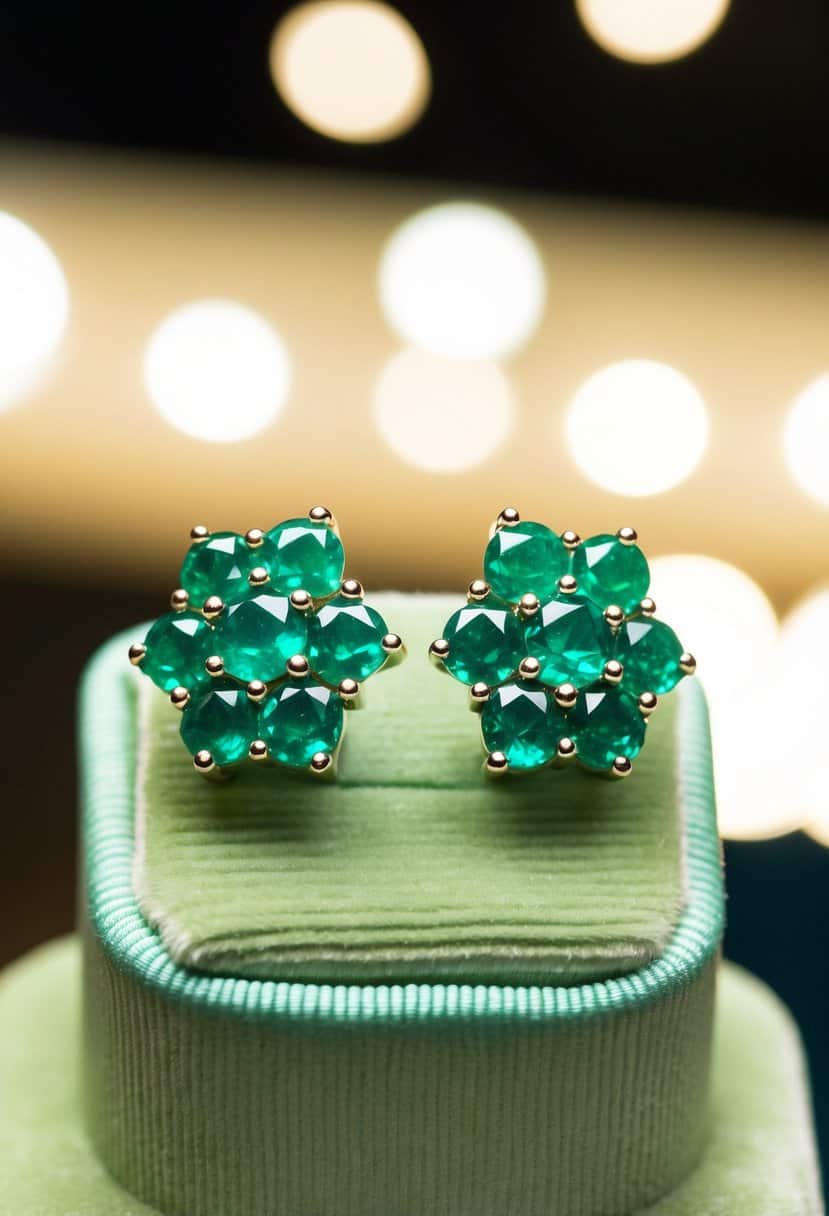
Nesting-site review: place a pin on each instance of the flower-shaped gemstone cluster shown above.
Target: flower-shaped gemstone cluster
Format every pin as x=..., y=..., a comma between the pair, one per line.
x=560, y=648
x=266, y=645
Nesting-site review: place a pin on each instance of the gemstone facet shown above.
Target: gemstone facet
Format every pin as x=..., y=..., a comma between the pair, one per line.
x=605, y=723
x=610, y=572
x=486, y=643
x=525, y=558
x=219, y=566
x=649, y=651
x=304, y=554
x=177, y=645
x=299, y=719
x=255, y=637
x=571, y=640
x=345, y=640
x=522, y=721
x=220, y=720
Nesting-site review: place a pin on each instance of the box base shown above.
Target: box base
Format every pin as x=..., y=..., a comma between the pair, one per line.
x=761, y=1160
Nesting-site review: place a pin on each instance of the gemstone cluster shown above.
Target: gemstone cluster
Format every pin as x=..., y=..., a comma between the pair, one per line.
x=560, y=648
x=266, y=645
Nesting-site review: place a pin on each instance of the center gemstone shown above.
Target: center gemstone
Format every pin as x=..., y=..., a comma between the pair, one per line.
x=523, y=721
x=571, y=640
x=486, y=643
x=299, y=719
x=256, y=637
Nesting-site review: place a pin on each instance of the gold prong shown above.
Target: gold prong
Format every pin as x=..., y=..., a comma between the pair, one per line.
x=203, y=763
x=621, y=767
x=647, y=703
x=647, y=607
x=614, y=616
x=321, y=515
x=566, y=695
x=529, y=604
x=479, y=694
x=566, y=749
x=570, y=540
x=628, y=536
x=349, y=691
x=567, y=584
x=301, y=600
x=179, y=697
x=254, y=537
x=394, y=649
x=613, y=671
x=214, y=666
x=496, y=764
x=439, y=651
x=687, y=663
x=351, y=589
x=258, y=750
x=213, y=607
x=256, y=690
x=198, y=533
x=322, y=764
x=258, y=576
x=179, y=600
x=137, y=652
x=529, y=668
x=298, y=666
x=507, y=518
x=477, y=590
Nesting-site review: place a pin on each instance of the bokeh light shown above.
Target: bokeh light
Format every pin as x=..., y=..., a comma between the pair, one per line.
x=217, y=370
x=442, y=415
x=806, y=439
x=34, y=309
x=353, y=71
x=651, y=31
x=726, y=620
x=637, y=427
x=806, y=726
x=464, y=280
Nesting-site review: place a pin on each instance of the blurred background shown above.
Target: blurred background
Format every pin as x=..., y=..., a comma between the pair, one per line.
x=418, y=263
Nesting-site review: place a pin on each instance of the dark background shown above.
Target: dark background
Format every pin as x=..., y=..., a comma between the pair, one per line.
x=521, y=97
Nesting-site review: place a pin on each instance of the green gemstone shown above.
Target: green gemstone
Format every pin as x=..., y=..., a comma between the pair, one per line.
x=219, y=566
x=255, y=637
x=571, y=640
x=649, y=651
x=523, y=721
x=300, y=718
x=609, y=572
x=605, y=723
x=304, y=554
x=523, y=559
x=345, y=640
x=177, y=645
x=222, y=721
x=486, y=642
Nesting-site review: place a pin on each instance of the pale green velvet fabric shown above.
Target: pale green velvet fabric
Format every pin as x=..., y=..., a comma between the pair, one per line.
x=411, y=866
x=760, y=1159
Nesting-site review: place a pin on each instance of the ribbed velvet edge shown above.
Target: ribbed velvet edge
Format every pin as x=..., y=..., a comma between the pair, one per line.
x=212, y=1096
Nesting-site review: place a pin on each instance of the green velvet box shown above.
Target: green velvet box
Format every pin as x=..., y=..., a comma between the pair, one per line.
x=409, y=992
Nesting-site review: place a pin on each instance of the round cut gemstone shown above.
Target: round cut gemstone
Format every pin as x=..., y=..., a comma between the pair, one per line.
x=345, y=640
x=219, y=566
x=609, y=572
x=255, y=637
x=571, y=640
x=523, y=559
x=222, y=721
x=523, y=721
x=300, y=718
x=486, y=642
x=301, y=553
x=605, y=723
x=177, y=645
x=649, y=651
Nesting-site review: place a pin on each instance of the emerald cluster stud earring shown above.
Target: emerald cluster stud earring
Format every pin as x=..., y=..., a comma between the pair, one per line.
x=265, y=646
x=560, y=649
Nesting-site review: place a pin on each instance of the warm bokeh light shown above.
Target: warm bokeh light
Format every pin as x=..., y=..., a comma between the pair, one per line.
x=651, y=31
x=806, y=729
x=726, y=620
x=34, y=308
x=464, y=280
x=806, y=439
x=353, y=71
x=442, y=415
x=217, y=370
x=637, y=427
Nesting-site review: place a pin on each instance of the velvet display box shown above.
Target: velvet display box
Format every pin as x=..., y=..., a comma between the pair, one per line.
x=409, y=992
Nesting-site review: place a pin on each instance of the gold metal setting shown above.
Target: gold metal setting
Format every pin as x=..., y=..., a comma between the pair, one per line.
x=621, y=767
x=529, y=668
x=301, y=600
x=687, y=663
x=136, y=653
x=298, y=666
x=565, y=696
x=258, y=750
x=213, y=607
x=179, y=600
x=570, y=540
x=258, y=576
x=477, y=590
x=496, y=764
x=566, y=749
x=439, y=651
x=351, y=589
x=256, y=691
x=528, y=605
x=648, y=702
x=613, y=672
x=628, y=536
x=214, y=665
x=254, y=538
x=567, y=584
x=179, y=697
x=198, y=533
x=614, y=616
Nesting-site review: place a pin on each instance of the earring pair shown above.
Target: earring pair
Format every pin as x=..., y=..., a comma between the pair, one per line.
x=266, y=647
